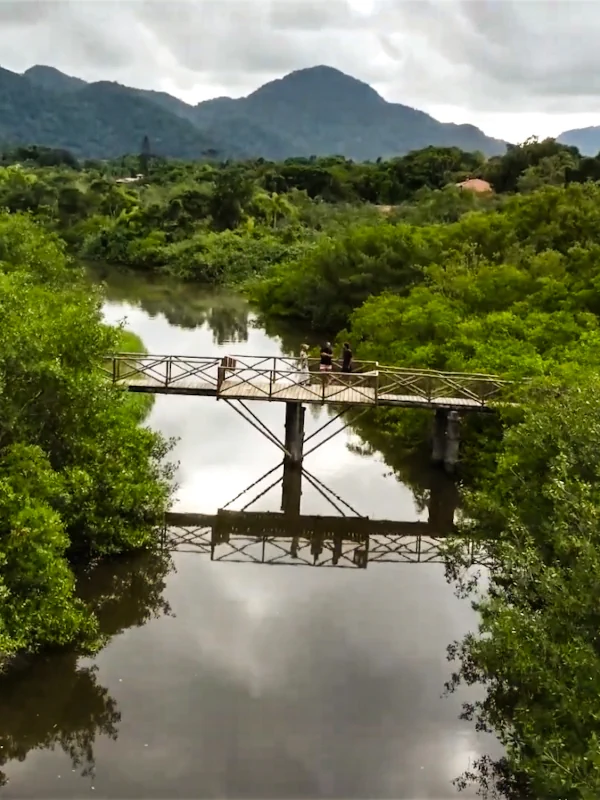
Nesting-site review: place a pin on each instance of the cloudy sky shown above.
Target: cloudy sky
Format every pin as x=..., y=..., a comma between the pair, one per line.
x=512, y=67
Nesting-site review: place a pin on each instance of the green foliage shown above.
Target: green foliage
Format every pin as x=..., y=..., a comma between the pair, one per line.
x=511, y=293
x=504, y=172
x=36, y=583
x=536, y=648
x=338, y=274
x=79, y=479
x=179, y=217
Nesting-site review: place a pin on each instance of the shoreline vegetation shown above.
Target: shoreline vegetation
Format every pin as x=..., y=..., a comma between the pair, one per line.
x=80, y=479
x=413, y=270
x=141, y=403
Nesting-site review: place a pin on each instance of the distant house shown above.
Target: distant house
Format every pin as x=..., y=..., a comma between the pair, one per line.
x=130, y=180
x=475, y=185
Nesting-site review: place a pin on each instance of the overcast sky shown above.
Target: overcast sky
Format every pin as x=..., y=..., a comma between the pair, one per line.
x=512, y=67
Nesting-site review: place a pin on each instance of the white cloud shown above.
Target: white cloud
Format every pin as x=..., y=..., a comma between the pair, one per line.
x=513, y=68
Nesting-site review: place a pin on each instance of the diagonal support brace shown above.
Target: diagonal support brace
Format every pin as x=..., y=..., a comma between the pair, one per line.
x=258, y=425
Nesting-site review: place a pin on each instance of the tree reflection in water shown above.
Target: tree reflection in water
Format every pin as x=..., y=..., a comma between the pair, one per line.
x=54, y=701
x=185, y=305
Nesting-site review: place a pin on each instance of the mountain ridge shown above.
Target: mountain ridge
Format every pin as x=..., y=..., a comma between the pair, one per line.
x=312, y=111
x=586, y=140
x=101, y=120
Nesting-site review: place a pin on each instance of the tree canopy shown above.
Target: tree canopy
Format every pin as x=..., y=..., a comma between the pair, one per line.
x=79, y=478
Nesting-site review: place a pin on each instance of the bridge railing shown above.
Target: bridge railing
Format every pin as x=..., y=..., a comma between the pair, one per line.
x=131, y=368
x=274, y=538
x=272, y=376
x=292, y=363
x=433, y=385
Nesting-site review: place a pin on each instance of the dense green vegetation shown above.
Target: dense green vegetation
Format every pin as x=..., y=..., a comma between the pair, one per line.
x=79, y=478
x=224, y=224
x=511, y=288
x=536, y=650
x=413, y=271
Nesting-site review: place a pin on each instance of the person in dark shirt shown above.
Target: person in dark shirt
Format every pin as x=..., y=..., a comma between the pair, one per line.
x=346, y=358
x=326, y=364
x=326, y=358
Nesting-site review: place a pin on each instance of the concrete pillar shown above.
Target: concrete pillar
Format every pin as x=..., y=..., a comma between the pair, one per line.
x=438, y=450
x=452, y=441
x=292, y=463
x=294, y=431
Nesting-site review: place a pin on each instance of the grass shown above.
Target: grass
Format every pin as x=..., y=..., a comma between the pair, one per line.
x=141, y=404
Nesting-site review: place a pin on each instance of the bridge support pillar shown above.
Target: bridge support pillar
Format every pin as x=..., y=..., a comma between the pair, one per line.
x=446, y=439
x=439, y=436
x=292, y=463
x=452, y=441
x=443, y=502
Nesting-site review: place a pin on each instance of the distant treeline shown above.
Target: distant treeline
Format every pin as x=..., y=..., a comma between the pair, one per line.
x=338, y=179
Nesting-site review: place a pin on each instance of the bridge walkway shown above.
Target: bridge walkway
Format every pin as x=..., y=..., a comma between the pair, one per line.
x=280, y=379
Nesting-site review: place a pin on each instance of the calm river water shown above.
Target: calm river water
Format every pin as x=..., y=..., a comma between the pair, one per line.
x=240, y=680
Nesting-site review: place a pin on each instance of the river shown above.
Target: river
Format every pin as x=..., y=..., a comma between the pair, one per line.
x=238, y=680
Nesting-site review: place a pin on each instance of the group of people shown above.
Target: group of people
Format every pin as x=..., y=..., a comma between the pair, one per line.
x=326, y=358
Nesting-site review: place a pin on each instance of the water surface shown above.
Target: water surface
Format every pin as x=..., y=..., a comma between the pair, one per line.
x=238, y=680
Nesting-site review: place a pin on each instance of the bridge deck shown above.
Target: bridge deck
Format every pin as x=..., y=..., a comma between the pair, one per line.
x=334, y=394
x=278, y=379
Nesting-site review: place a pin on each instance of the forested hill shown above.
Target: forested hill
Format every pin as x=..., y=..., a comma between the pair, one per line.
x=586, y=140
x=322, y=111
x=98, y=120
x=315, y=111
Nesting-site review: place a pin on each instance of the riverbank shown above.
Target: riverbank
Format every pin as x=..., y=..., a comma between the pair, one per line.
x=245, y=644
x=81, y=480
x=140, y=403
x=222, y=225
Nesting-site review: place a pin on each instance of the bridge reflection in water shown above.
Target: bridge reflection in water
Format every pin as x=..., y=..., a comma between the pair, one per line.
x=276, y=538
x=296, y=539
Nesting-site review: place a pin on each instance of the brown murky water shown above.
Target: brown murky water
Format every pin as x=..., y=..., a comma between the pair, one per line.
x=238, y=680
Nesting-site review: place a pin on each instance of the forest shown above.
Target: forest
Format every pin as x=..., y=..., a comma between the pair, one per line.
x=316, y=110
x=413, y=270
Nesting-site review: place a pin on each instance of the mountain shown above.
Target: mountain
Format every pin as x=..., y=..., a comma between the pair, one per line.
x=587, y=140
x=56, y=81
x=53, y=79
x=322, y=111
x=97, y=120
x=314, y=111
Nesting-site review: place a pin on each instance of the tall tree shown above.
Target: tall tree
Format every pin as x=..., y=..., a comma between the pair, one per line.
x=145, y=155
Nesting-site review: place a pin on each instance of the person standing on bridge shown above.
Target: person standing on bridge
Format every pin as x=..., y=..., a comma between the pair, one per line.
x=303, y=364
x=326, y=364
x=346, y=358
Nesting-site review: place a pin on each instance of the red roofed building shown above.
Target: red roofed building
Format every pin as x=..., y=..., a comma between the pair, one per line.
x=475, y=185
